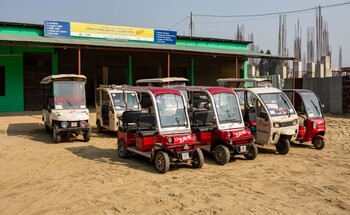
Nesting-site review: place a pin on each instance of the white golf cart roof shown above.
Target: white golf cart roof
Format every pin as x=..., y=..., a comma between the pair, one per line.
x=240, y=82
x=113, y=88
x=63, y=77
x=169, y=80
x=259, y=90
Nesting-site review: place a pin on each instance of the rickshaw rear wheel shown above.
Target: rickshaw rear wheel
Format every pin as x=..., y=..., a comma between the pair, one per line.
x=99, y=127
x=253, y=152
x=221, y=154
x=87, y=135
x=318, y=143
x=198, y=158
x=122, y=150
x=162, y=162
x=283, y=146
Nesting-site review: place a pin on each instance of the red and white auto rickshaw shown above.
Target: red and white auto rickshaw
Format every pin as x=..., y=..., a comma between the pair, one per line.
x=312, y=125
x=161, y=131
x=267, y=111
x=217, y=121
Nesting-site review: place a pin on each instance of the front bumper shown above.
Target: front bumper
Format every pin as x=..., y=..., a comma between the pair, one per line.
x=74, y=129
x=242, y=148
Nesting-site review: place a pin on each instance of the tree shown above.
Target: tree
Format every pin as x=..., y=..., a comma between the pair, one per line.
x=267, y=66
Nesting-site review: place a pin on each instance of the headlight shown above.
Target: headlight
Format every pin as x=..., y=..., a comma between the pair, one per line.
x=295, y=122
x=229, y=134
x=170, y=140
x=83, y=124
x=64, y=124
x=276, y=125
x=314, y=125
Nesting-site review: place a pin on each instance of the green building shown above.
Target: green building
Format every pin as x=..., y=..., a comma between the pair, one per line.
x=27, y=56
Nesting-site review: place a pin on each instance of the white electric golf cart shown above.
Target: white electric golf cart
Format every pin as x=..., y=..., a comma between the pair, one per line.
x=64, y=110
x=267, y=111
x=110, y=102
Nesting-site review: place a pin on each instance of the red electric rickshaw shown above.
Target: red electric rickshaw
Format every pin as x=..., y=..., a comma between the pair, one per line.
x=161, y=131
x=312, y=125
x=217, y=121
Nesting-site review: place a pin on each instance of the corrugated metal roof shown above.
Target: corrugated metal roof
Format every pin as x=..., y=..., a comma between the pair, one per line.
x=134, y=45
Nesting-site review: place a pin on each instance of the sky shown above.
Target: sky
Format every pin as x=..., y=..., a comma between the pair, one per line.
x=174, y=15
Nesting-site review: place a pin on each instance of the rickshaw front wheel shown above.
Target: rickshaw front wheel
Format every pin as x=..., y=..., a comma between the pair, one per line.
x=283, y=146
x=222, y=154
x=198, y=158
x=318, y=143
x=253, y=152
x=87, y=135
x=162, y=162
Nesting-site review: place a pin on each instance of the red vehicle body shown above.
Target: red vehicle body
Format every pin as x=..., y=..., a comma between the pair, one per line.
x=162, y=133
x=217, y=121
x=312, y=124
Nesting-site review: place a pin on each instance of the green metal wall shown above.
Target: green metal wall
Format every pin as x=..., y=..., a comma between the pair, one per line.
x=13, y=99
x=12, y=59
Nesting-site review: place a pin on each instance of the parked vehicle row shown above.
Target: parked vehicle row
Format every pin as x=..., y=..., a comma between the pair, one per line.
x=170, y=123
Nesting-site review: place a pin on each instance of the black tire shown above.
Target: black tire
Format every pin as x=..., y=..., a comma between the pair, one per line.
x=318, y=143
x=162, y=162
x=198, y=159
x=221, y=154
x=253, y=152
x=57, y=138
x=87, y=135
x=122, y=150
x=99, y=127
x=283, y=146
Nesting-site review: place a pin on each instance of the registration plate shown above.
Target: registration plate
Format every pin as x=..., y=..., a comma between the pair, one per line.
x=243, y=148
x=74, y=124
x=185, y=156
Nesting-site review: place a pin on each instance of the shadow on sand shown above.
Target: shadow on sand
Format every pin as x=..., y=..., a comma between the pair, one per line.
x=134, y=161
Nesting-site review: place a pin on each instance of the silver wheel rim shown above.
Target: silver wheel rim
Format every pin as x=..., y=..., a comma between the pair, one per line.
x=220, y=154
x=160, y=162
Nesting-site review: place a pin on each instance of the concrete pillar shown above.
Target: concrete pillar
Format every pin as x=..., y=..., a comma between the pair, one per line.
x=282, y=71
x=319, y=70
x=251, y=70
x=298, y=69
x=257, y=72
x=311, y=70
x=326, y=60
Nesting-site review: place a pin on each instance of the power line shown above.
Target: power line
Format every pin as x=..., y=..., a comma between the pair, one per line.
x=179, y=22
x=270, y=14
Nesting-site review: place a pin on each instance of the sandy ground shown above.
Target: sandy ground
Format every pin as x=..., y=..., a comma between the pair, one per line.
x=38, y=177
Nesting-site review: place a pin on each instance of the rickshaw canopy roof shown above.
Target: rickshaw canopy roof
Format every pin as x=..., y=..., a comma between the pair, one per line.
x=210, y=89
x=63, y=77
x=162, y=80
x=153, y=90
x=239, y=82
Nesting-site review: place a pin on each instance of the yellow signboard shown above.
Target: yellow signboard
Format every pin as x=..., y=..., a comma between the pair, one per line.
x=111, y=32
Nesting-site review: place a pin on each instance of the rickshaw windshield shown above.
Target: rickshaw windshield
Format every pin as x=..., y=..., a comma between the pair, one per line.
x=277, y=104
x=171, y=110
x=69, y=95
x=227, y=107
x=130, y=99
x=312, y=105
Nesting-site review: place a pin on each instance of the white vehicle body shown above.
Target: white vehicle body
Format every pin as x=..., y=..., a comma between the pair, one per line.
x=64, y=109
x=272, y=112
x=110, y=105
